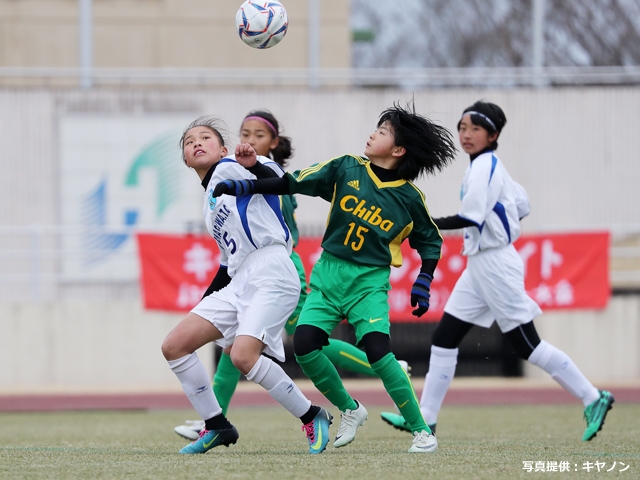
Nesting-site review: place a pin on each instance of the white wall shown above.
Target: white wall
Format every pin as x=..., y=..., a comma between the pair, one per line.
x=603, y=344
x=116, y=347
x=573, y=149
x=86, y=347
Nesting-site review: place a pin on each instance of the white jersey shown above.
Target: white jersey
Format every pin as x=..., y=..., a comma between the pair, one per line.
x=494, y=202
x=244, y=224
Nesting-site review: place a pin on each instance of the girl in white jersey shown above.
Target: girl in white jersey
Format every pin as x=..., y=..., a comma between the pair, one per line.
x=491, y=288
x=261, y=130
x=254, y=291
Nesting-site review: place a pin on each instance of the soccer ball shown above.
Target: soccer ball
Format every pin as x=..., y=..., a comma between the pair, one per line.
x=261, y=24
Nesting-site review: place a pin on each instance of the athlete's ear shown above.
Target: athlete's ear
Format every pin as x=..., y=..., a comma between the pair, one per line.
x=493, y=137
x=275, y=141
x=399, y=152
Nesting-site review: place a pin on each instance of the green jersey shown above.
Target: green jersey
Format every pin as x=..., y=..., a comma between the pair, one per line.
x=369, y=219
x=288, y=206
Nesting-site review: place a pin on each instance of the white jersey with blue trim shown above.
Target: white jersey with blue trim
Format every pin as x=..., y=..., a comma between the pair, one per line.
x=241, y=225
x=494, y=202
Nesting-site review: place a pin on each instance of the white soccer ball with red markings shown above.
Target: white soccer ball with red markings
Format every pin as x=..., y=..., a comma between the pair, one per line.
x=261, y=24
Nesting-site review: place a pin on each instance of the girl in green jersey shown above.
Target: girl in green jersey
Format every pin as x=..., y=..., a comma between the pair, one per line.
x=374, y=208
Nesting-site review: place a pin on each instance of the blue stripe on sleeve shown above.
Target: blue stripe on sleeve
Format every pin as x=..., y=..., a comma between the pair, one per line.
x=494, y=162
x=242, y=204
x=502, y=215
x=274, y=202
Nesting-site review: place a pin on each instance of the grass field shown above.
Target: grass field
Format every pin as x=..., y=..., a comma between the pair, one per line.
x=479, y=442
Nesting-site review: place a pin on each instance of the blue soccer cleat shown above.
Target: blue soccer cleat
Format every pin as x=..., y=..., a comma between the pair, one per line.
x=317, y=431
x=210, y=439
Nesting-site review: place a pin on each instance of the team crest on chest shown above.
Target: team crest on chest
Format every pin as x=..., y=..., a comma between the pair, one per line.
x=212, y=200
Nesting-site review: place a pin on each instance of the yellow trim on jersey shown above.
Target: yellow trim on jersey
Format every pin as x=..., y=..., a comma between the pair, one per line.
x=376, y=180
x=424, y=202
x=333, y=200
x=314, y=168
x=394, y=246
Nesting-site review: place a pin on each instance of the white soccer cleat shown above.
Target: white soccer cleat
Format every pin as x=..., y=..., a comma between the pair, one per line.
x=423, y=442
x=190, y=430
x=406, y=367
x=350, y=420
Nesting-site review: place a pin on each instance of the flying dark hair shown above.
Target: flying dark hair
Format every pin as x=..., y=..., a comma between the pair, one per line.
x=488, y=116
x=429, y=147
x=284, y=150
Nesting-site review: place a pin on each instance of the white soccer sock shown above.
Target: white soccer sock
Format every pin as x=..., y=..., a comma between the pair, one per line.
x=196, y=383
x=562, y=369
x=442, y=368
x=270, y=376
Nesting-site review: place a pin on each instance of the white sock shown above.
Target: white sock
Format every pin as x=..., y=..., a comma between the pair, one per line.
x=442, y=368
x=562, y=369
x=270, y=376
x=196, y=383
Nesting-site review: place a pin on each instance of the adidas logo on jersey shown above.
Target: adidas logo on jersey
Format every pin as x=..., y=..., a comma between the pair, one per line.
x=355, y=184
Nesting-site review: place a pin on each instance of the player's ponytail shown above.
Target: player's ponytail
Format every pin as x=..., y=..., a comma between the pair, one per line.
x=283, y=151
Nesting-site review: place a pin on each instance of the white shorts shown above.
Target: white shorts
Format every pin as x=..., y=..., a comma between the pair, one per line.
x=490, y=289
x=257, y=302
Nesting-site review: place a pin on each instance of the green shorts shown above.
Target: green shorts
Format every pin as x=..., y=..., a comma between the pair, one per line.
x=345, y=290
x=290, y=326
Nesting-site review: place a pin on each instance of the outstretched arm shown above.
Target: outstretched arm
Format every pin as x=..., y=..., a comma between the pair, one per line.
x=453, y=222
x=237, y=188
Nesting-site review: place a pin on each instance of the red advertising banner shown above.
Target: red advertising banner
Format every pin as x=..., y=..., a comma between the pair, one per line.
x=175, y=269
x=562, y=271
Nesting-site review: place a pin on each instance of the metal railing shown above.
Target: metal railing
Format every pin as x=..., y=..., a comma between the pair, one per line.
x=304, y=77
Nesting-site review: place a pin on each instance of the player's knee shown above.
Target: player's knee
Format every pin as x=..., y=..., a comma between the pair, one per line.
x=244, y=355
x=450, y=332
x=170, y=349
x=308, y=338
x=377, y=345
x=524, y=339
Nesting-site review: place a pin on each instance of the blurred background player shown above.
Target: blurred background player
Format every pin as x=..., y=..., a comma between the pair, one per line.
x=374, y=208
x=491, y=288
x=254, y=291
x=261, y=130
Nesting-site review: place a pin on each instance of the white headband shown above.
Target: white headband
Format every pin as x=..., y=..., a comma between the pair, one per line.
x=483, y=116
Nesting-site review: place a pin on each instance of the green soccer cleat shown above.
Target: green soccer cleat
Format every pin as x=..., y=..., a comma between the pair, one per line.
x=210, y=439
x=398, y=421
x=317, y=431
x=595, y=414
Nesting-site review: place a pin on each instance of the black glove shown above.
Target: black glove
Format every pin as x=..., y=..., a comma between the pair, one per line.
x=420, y=294
x=235, y=188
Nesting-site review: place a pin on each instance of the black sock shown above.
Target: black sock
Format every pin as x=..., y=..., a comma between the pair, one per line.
x=310, y=415
x=219, y=422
